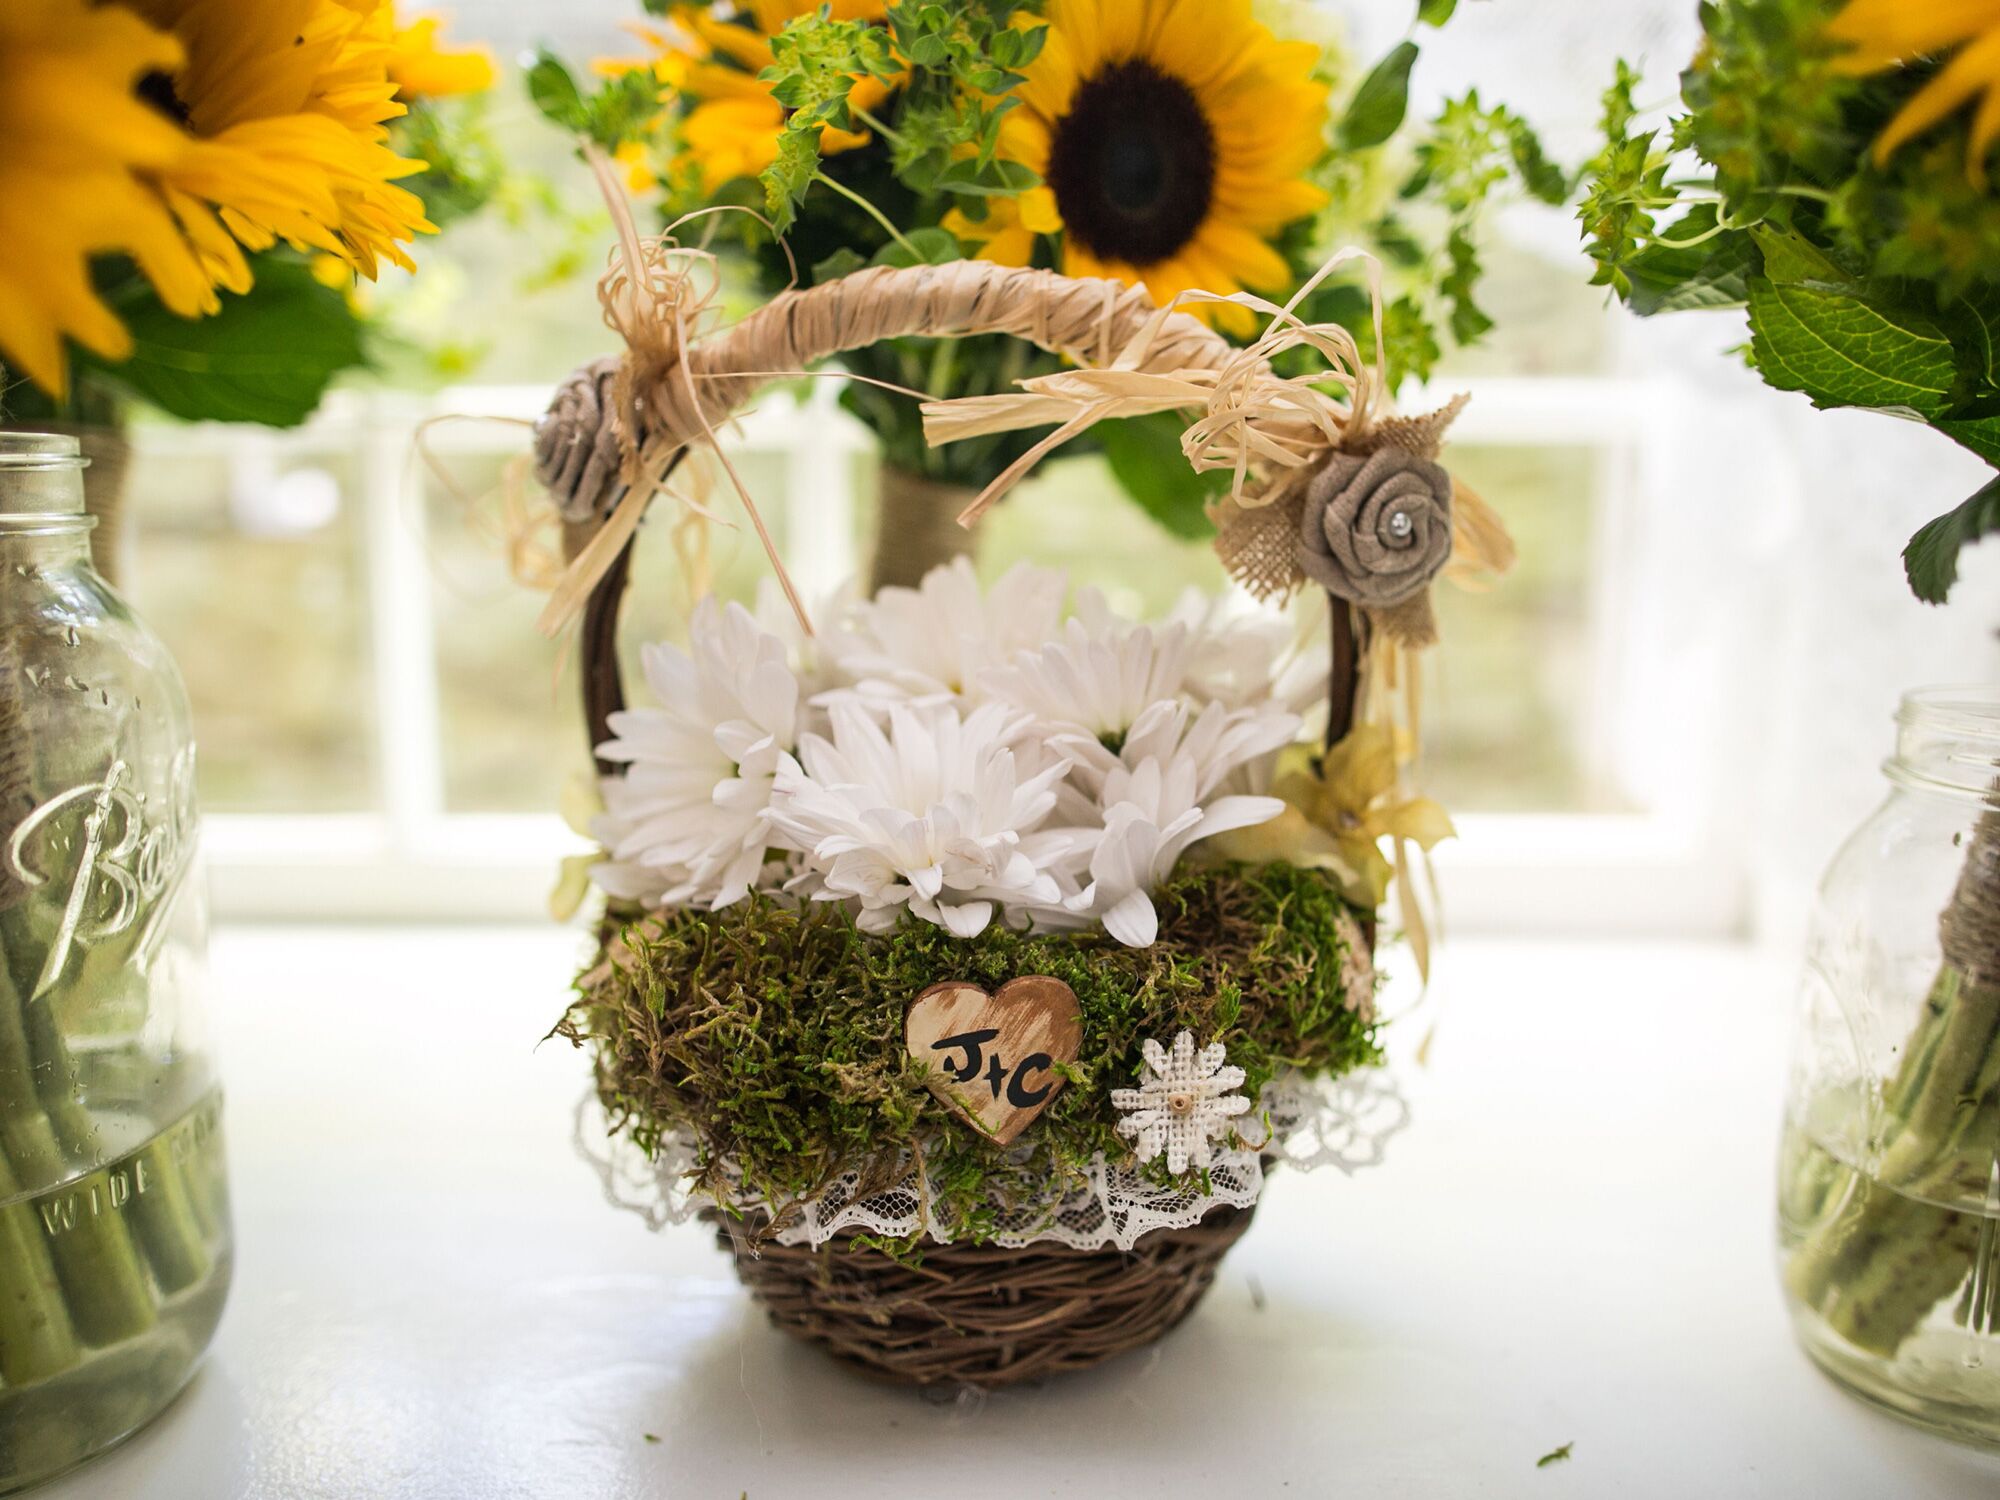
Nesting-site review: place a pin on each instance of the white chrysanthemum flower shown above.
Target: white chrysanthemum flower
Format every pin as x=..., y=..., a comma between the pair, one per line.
x=939, y=814
x=1214, y=740
x=684, y=824
x=932, y=642
x=1185, y=1100
x=1099, y=676
x=1156, y=797
x=1243, y=655
x=815, y=659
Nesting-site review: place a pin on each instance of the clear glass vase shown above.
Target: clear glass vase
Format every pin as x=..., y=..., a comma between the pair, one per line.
x=1889, y=1176
x=114, y=1214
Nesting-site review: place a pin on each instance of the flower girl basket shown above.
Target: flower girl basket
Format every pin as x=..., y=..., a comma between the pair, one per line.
x=1116, y=1256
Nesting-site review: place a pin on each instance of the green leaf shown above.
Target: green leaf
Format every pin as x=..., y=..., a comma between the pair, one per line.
x=1977, y=321
x=843, y=262
x=997, y=178
x=1931, y=559
x=555, y=93
x=1469, y=323
x=1542, y=178
x=1435, y=12
x=266, y=357
x=789, y=175
x=1681, y=277
x=1789, y=256
x=622, y=110
x=1145, y=456
x=933, y=246
x=1842, y=347
x=1379, y=105
x=1980, y=434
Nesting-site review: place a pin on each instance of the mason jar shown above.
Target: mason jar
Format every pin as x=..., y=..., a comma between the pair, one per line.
x=1889, y=1175
x=114, y=1213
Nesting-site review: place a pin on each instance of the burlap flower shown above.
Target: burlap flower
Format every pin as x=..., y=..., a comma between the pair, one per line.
x=1376, y=529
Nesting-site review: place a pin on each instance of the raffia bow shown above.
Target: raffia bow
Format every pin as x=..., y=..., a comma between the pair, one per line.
x=1268, y=430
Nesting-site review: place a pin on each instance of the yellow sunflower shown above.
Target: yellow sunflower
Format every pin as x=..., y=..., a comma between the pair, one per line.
x=1886, y=34
x=421, y=68
x=732, y=124
x=77, y=146
x=287, y=104
x=1173, y=139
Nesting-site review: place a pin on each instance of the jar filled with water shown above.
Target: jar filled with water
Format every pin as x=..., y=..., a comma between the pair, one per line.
x=114, y=1212
x=1889, y=1178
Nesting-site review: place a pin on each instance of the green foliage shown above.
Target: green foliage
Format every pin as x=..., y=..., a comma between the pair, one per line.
x=950, y=69
x=1465, y=156
x=1377, y=109
x=1435, y=12
x=621, y=109
x=1868, y=284
x=1842, y=348
x=1931, y=559
x=962, y=62
x=1145, y=456
x=967, y=60
x=773, y=1035
x=463, y=169
x=266, y=357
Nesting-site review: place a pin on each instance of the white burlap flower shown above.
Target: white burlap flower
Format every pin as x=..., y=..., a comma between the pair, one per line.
x=684, y=824
x=938, y=815
x=1185, y=1100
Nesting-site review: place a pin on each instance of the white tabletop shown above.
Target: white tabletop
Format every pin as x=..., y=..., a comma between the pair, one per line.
x=1571, y=1245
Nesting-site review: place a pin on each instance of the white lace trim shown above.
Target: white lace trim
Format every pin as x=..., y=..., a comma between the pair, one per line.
x=1343, y=1122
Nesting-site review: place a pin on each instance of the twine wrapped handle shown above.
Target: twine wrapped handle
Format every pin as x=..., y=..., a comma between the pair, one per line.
x=585, y=440
x=618, y=426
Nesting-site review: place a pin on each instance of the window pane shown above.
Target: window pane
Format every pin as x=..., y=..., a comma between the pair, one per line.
x=508, y=722
x=1506, y=696
x=249, y=562
x=1505, y=700
x=1072, y=515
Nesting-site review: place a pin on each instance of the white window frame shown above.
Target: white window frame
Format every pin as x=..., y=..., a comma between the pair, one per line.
x=1668, y=871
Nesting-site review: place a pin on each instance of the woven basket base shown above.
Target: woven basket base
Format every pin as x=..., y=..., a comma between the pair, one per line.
x=982, y=1316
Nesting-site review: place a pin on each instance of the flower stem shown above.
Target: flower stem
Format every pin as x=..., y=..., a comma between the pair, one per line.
x=110, y=1296
x=1875, y=1267
x=871, y=210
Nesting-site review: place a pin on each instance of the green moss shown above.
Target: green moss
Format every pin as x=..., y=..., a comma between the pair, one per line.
x=773, y=1036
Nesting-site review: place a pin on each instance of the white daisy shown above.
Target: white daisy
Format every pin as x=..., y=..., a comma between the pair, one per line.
x=1185, y=1099
x=932, y=642
x=1156, y=797
x=685, y=823
x=1099, y=676
x=939, y=814
x=1243, y=655
x=815, y=659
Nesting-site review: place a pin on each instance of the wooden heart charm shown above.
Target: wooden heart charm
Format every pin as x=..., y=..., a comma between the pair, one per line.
x=992, y=1058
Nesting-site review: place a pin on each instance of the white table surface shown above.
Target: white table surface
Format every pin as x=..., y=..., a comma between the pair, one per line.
x=1571, y=1245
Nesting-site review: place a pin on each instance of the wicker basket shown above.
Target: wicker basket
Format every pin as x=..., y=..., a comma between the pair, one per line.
x=961, y=1315
x=983, y=1316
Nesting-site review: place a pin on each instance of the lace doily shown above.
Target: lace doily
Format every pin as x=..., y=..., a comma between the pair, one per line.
x=1342, y=1122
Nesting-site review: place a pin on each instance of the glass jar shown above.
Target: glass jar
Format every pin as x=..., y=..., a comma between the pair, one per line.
x=1889, y=1175
x=114, y=1213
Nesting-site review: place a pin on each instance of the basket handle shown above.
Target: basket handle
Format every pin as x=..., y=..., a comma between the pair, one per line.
x=609, y=410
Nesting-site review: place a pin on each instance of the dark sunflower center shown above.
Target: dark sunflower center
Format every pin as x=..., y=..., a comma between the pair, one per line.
x=1132, y=164
x=157, y=89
